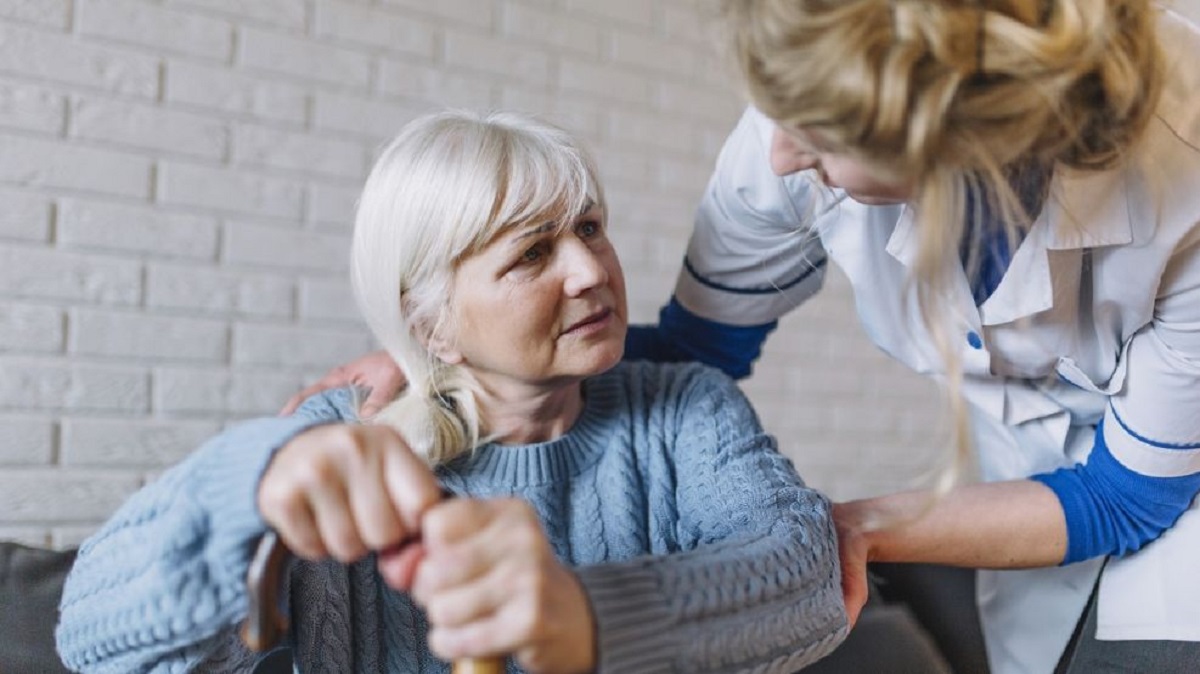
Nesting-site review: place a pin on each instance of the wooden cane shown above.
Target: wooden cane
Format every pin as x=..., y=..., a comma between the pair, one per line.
x=265, y=626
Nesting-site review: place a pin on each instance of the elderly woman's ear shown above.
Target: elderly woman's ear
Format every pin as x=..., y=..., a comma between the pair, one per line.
x=437, y=342
x=445, y=350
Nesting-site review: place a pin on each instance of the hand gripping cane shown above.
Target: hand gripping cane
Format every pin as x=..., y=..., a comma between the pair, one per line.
x=266, y=624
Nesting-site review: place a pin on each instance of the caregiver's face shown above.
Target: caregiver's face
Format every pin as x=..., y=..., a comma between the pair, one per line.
x=540, y=305
x=795, y=149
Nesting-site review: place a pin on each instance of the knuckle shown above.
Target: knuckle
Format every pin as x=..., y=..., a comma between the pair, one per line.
x=304, y=543
x=529, y=539
x=353, y=444
x=533, y=659
x=382, y=535
x=533, y=587
x=528, y=620
x=436, y=523
x=346, y=550
x=277, y=499
x=440, y=612
x=315, y=473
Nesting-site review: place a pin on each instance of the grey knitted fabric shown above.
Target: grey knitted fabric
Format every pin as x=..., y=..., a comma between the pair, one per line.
x=698, y=545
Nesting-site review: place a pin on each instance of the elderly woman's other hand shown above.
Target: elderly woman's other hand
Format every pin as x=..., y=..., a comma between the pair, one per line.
x=491, y=585
x=344, y=490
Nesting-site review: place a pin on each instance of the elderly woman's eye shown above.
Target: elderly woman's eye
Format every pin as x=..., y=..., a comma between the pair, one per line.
x=588, y=228
x=533, y=253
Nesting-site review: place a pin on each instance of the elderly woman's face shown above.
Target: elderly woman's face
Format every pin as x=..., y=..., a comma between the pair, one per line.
x=542, y=306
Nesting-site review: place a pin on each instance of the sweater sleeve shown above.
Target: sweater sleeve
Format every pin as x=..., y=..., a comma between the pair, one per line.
x=758, y=585
x=160, y=584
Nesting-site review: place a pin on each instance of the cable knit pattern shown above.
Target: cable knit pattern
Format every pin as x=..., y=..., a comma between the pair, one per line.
x=699, y=547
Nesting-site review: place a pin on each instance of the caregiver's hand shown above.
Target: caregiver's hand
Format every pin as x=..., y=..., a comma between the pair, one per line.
x=344, y=490
x=491, y=586
x=376, y=371
x=854, y=553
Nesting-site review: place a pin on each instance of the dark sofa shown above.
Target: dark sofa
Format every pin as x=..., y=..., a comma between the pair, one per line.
x=31, y=581
x=30, y=585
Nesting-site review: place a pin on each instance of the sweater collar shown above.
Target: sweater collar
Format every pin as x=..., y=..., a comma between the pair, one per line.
x=497, y=468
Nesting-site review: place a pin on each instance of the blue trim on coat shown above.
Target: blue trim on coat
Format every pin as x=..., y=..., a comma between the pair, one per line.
x=1148, y=441
x=813, y=267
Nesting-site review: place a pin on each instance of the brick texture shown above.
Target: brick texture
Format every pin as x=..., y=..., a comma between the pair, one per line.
x=177, y=190
x=26, y=441
x=31, y=108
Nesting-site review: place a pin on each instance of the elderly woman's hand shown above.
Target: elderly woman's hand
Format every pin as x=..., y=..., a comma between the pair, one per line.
x=344, y=490
x=491, y=586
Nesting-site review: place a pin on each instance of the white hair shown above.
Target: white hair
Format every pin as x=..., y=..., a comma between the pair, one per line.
x=445, y=187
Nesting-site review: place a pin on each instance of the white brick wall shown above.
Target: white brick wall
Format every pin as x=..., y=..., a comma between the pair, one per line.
x=177, y=180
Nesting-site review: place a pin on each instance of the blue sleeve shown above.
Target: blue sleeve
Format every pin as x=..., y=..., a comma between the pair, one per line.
x=161, y=584
x=1112, y=510
x=683, y=336
x=753, y=581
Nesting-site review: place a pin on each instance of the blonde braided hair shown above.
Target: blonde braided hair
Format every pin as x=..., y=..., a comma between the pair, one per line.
x=956, y=96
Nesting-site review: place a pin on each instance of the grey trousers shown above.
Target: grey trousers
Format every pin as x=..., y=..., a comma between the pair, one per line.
x=921, y=619
x=1087, y=655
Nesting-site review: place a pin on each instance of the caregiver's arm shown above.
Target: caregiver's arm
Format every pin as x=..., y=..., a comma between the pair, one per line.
x=163, y=581
x=755, y=583
x=1142, y=474
x=1015, y=524
x=1073, y=514
x=752, y=257
x=1144, y=470
x=1008, y=525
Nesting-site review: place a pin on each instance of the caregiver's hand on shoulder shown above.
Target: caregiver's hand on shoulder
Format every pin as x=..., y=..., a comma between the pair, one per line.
x=344, y=490
x=376, y=371
x=491, y=586
x=854, y=553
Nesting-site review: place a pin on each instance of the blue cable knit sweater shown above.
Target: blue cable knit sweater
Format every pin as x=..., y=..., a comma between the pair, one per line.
x=699, y=547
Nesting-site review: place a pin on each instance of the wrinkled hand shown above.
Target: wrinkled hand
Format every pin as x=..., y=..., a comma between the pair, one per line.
x=344, y=490
x=491, y=586
x=376, y=371
x=854, y=553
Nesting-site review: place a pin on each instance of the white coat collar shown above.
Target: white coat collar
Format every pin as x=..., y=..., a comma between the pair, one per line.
x=1085, y=209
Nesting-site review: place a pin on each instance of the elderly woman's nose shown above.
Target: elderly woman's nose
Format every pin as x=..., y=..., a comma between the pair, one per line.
x=583, y=269
x=788, y=157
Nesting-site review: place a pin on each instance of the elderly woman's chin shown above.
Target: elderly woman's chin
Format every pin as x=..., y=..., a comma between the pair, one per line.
x=595, y=347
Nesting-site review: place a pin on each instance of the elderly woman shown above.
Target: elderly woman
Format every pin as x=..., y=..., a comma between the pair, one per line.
x=612, y=517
